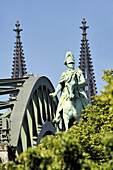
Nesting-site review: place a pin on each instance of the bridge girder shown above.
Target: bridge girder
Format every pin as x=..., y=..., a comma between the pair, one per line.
x=31, y=111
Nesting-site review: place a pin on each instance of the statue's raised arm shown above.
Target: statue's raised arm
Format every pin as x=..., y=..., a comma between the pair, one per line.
x=58, y=89
x=73, y=98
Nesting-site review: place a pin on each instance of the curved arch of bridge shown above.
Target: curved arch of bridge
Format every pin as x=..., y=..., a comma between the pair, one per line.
x=31, y=112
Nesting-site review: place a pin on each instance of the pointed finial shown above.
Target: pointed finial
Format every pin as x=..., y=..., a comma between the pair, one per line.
x=17, y=24
x=17, y=30
x=84, y=22
x=84, y=27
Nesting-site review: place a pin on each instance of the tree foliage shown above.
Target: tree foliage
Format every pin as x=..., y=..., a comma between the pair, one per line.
x=88, y=145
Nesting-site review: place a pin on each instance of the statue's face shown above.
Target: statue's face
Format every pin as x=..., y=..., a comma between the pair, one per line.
x=70, y=62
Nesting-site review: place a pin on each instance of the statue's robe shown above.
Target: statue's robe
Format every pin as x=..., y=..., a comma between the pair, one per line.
x=80, y=100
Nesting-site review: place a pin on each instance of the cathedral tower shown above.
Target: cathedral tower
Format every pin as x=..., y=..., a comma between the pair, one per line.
x=85, y=64
x=19, y=66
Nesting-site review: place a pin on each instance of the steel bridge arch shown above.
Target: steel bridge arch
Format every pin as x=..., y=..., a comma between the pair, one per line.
x=31, y=113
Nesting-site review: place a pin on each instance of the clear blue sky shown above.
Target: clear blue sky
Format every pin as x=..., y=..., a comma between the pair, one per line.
x=50, y=29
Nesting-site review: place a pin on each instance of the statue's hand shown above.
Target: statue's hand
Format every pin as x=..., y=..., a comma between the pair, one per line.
x=55, y=121
x=52, y=94
x=71, y=96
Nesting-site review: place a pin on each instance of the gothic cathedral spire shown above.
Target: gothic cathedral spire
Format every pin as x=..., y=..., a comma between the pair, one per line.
x=19, y=66
x=85, y=64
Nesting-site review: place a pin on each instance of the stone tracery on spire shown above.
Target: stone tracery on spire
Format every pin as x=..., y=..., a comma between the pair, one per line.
x=19, y=66
x=85, y=64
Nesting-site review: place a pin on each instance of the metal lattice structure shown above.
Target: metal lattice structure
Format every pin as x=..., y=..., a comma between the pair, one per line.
x=19, y=66
x=85, y=64
x=30, y=113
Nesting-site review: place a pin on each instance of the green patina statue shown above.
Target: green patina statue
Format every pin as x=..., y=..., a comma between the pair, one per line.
x=73, y=98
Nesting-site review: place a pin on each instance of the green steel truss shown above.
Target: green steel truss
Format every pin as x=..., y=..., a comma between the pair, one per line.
x=30, y=111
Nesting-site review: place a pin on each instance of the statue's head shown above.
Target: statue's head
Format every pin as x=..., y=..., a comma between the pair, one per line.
x=69, y=58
